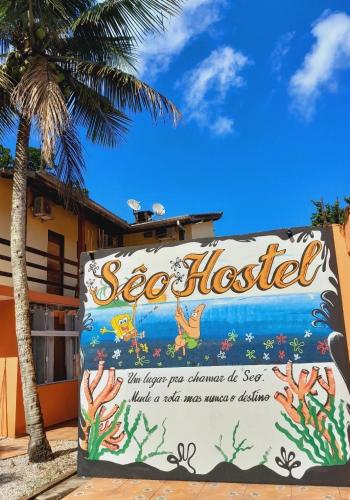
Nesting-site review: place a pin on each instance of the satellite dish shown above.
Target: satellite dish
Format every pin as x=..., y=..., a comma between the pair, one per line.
x=134, y=205
x=158, y=209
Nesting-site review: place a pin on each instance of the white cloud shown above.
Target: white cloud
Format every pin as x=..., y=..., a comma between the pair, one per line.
x=222, y=126
x=329, y=54
x=197, y=17
x=206, y=86
x=280, y=51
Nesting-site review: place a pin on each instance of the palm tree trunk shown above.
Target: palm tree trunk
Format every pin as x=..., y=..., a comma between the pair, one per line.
x=39, y=447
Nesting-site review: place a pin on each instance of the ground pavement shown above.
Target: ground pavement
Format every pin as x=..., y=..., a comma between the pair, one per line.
x=130, y=489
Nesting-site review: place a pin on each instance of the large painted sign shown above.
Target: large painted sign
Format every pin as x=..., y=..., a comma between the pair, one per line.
x=220, y=360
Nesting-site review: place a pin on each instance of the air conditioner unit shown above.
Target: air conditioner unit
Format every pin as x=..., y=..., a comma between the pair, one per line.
x=42, y=208
x=165, y=233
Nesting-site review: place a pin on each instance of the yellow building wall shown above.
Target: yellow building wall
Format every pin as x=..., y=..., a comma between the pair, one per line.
x=138, y=239
x=5, y=210
x=202, y=230
x=63, y=222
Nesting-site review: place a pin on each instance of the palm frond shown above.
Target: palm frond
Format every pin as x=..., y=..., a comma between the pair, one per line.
x=125, y=90
x=104, y=123
x=6, y=82
x=133, y=18
x=117, y=51
x=39, y=97
x=7, y=115
x=69, y=164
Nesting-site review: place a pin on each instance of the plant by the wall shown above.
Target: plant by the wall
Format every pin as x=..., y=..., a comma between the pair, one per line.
x=320, y=429
x=236, y=448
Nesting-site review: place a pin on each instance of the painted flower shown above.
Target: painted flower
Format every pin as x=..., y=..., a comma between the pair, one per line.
x=142, y=334
x=297, y=357
x=171, y=350
x=307, y=334
x=120, y=363
x=134, y=342
x=175, y=264
x=249, y=337
x=116, y=339
x=94, y=341
x=156, y=352
x=93, y=266
x=100, y=355
x=232, y=336
x=206, y=357
x=297, y=345
x=225, y=345
x=250, y=354
x=281, y=355
x=144, y=347
x=141, y=361
x=266, y=356
x=269, y=344
x=160, y=364
x=222, y=355
x=322, y=346
x=90, y=282
x=131, y=350
x=281, y=339
x=116, y=354
x=178, y=278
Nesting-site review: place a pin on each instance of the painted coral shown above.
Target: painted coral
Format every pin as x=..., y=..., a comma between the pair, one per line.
x=316, y=425
x=101, y=425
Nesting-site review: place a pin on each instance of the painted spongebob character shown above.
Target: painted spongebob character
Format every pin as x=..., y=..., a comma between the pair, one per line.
x=122, y=326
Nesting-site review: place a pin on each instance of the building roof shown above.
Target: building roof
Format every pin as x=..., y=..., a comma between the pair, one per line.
x=49, y=186
x=172, y=221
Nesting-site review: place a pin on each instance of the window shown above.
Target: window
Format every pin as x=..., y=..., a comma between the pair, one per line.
x=55, y=267
x=56, y=358
x=55, y=341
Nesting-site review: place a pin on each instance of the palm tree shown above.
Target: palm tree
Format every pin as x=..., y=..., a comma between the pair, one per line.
x=67, y=64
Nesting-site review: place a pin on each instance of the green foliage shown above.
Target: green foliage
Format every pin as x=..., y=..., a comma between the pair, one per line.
x=327, y=213
x=95, y=445
x=141, y=455
x=95, y=437
x=71, y=63
x=236, y=448
x=309, y=436
x=6, y=160
x=266, y=456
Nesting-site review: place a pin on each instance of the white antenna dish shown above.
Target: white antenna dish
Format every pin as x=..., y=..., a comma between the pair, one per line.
x=134, y=205
x=158, y=209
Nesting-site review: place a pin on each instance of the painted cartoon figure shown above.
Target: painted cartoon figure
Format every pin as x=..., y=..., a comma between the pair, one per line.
x=122, y=326
x=189, y=330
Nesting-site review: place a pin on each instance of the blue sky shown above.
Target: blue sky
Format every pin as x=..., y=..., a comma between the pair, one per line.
x=264, y=87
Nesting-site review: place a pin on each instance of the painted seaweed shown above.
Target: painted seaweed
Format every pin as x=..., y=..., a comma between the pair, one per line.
x=317, y=428
x=236, y=449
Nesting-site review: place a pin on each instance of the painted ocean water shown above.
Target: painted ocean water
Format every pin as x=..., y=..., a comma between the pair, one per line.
x=239, y=331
